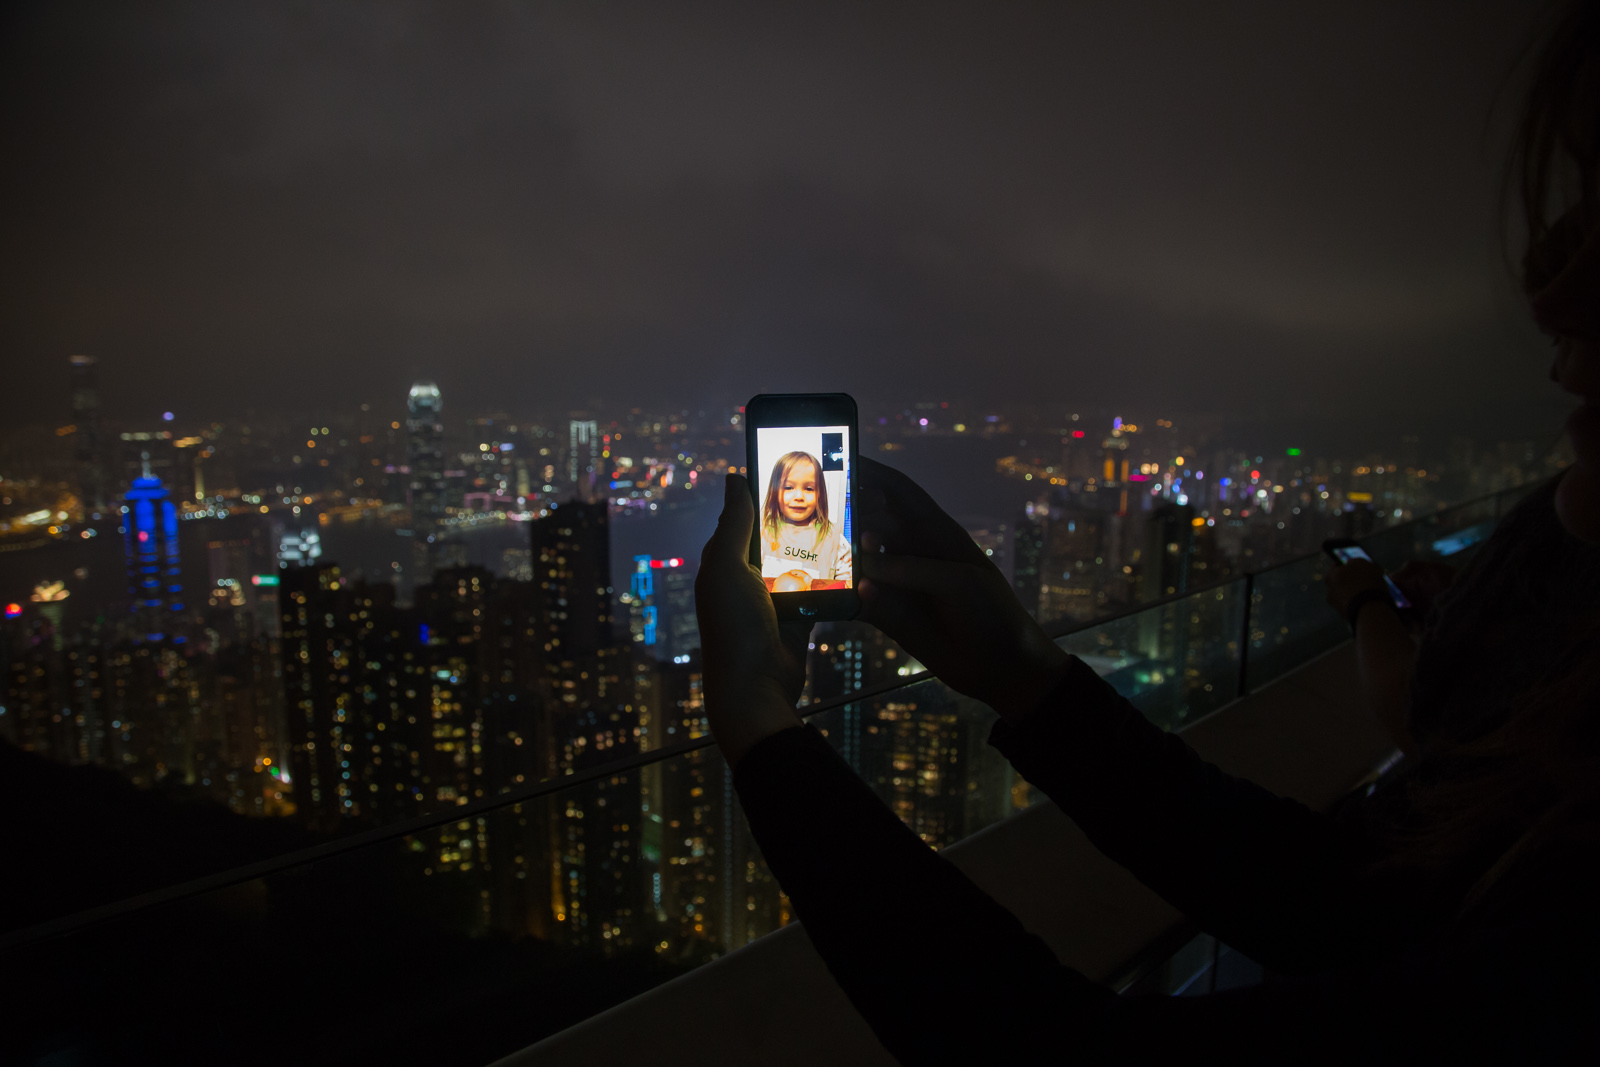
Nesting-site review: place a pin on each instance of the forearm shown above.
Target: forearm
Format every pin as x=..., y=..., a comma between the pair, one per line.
x=944, y=975
x=1385, y=656
x=1245, y=864
x=742, y=716
x=939, y=970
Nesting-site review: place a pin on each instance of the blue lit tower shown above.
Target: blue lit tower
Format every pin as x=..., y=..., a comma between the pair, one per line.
x=150, y=527
x=642, y=602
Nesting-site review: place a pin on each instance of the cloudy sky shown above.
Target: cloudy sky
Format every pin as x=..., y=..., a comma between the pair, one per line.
x=1272, y=207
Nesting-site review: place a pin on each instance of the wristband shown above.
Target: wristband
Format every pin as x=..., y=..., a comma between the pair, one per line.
x=1361, y=600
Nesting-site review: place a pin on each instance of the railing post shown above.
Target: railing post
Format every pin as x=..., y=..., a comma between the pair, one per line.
x=1244, y=633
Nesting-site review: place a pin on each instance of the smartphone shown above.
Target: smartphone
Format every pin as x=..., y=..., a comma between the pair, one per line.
x=801, y=464
x=1344, y=550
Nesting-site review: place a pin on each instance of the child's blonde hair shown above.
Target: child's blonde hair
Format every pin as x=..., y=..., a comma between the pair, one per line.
x=771, y=516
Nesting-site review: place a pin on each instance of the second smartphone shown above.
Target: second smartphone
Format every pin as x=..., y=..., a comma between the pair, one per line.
x=801, y=458
x=1345, y=549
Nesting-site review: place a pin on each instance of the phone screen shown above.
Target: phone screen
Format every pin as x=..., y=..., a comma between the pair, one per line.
x=803, y=503
x=1346, y=553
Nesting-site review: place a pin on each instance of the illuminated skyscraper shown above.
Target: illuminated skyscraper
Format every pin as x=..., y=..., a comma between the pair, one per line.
x=590, y=694
x=150, y=527
x=680, y=628
x=660, y=608
x=572, y=570
x=1167, y=557
x=915, y=758
x=299, y=548
x=1028, y=545
x=641, y=603
x=425, y=453
x=687, y=826
x=86, y=449
x=357, y=701
x=1079, y=558
x=583, y=457
x=1168, y=551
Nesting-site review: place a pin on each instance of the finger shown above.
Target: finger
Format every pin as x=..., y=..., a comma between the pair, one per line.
x=910, y=518
x=730, y=542
x=897, y=612
x=894, y=493
x=916, y=573
x=874, y=518
x=871, y=499
x=899, y=491
x=795, y=637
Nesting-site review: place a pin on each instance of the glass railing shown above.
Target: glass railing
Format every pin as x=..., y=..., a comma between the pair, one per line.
x=457, y=938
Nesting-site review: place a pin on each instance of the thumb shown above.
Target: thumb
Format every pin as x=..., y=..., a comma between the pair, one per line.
x=896, y=612
x=795, y=636
x=731, y=541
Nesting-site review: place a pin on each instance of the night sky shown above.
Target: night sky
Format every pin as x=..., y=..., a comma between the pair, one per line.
x=1267, y=207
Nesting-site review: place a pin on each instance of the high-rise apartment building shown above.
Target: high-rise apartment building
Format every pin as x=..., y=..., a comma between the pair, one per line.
x=915, y=758
x=1165, y=566
x=676, y=619
x=454, y=685
x=1027, y=547
x=687, y=824
x=571, y=550
x=359, y=702
x=1168, y=551
x=592, y=696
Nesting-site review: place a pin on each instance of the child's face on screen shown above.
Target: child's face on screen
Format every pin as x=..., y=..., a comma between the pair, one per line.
x=798, y=494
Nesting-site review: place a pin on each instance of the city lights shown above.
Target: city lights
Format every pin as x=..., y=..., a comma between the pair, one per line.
x=466, y=602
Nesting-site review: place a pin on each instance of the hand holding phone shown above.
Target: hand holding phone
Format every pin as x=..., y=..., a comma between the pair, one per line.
x=932, y=589
x=755, y=666
x=801, y=454
x=1347, y=550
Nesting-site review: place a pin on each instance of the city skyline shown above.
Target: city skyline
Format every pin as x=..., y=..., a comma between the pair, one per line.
x=374, y=383
x=274, y=637
x=1073, y=513
x=34, y=446
x=319, y=696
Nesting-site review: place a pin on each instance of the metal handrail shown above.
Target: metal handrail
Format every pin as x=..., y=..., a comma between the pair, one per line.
x=422, y=823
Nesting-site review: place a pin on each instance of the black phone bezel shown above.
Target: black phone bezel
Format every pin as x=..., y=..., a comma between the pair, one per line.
x=1340, y=542
x=1405, y=609
x=806, y=409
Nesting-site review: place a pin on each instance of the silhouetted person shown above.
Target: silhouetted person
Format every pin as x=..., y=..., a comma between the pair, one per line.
x=1458, y=928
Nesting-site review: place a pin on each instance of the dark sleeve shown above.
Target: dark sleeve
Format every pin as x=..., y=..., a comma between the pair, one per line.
x=932, y=962
x=945, y=975
x=1266, y=875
